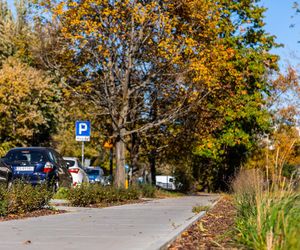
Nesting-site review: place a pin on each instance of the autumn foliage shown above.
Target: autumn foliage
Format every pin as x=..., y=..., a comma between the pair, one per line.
x=175, y=86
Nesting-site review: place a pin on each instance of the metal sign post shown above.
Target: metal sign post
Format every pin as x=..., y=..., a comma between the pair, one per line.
x=83, y=133
x=82, y=153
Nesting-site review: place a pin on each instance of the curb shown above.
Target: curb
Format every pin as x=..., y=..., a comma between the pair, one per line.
x=57, y=202
x=164, y=245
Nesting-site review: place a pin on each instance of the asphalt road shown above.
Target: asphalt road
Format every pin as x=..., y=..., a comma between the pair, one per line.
x=147, y=225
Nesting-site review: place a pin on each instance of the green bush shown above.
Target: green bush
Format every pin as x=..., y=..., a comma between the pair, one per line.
x=62, y=193
x=132, y=193
x=23, y=198
x=148, y=191
x=289, y=171
x=85, y=195
x=3, y=201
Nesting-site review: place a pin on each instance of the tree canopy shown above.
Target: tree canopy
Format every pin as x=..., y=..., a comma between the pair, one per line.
x=182, y=82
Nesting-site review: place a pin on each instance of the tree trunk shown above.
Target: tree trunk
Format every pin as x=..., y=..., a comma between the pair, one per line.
x=119, y=179
x=152, y=160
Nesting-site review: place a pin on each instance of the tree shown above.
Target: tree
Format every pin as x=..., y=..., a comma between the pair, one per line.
x=6, y=25
x=131, y=59
x=29, y=104
x=148, y=67
x=229, y=122
x=15, y=31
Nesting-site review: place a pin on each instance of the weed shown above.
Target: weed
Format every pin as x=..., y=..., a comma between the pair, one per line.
x=198, y=209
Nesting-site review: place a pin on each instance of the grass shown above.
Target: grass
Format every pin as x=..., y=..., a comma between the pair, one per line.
x=160, y=193
x=268, y=212
x=198, y=209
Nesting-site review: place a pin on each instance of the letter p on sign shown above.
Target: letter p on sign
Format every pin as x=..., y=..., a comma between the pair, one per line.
x=83, y=130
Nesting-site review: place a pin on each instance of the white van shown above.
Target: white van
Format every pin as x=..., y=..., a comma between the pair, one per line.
x=165, y=182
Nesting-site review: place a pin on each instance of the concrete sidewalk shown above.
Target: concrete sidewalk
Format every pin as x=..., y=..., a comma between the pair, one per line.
x=147, y=225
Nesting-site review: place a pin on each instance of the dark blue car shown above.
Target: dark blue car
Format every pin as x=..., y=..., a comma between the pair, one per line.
x=38, y=165
x=96, y=175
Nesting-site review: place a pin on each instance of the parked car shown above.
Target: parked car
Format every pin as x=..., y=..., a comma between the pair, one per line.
x=95, y=175
x=5, y=174
x=75, y=168
x=38, y=165
x=107, y=180
x=165, y=182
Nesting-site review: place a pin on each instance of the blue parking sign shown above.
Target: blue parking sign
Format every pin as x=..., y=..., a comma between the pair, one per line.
x=83, y=130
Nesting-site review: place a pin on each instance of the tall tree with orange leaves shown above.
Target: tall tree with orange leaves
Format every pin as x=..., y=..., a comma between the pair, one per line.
x=145, y=65
x=135, y=61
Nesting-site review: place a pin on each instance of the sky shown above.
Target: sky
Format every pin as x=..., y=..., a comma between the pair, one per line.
x=280, y=15
x=278, y=18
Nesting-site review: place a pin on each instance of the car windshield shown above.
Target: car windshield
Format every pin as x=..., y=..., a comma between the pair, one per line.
x=70, y=163
x=92, y=171
x=31, y=156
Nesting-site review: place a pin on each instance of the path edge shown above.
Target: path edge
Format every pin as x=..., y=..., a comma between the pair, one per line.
x=160, y=245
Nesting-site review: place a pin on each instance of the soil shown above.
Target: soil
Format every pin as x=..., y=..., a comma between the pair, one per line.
x=117, y=203
x=46, y=211
x=37, y=213
x=213, y=231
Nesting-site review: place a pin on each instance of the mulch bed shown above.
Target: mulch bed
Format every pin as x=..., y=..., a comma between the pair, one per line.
x=36, y=213
x=117, y=203
x=213, y=231
x=44, y=212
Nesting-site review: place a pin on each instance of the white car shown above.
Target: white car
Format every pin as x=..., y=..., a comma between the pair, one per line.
x=165, y=182
x=75, y=168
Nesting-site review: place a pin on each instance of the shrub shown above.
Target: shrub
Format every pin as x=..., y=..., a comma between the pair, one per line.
x=3, y=207
x=85, y=195
x=24, y=198
x=289, y=171
x=62, y=193
x=132, y=193
x=148, y=191
x=3, y=201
